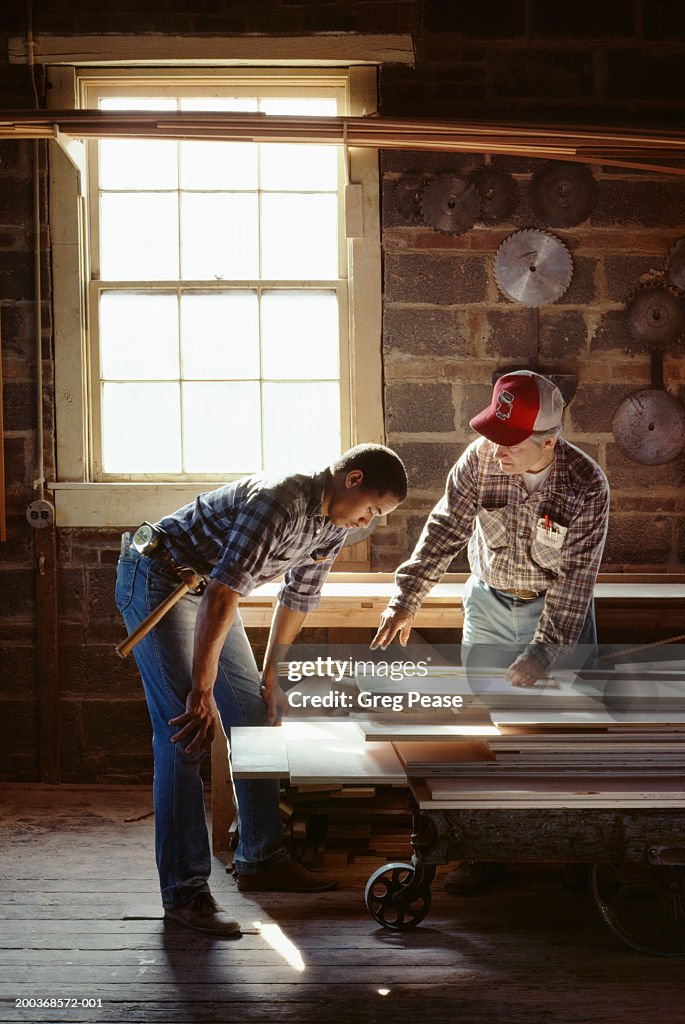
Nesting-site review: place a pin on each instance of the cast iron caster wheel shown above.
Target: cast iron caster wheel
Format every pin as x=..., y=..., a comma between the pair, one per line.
x=398, y=895
x=643, y=904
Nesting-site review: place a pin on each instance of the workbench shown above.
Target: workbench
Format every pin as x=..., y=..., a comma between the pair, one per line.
x=635, y=602
x=356, y=599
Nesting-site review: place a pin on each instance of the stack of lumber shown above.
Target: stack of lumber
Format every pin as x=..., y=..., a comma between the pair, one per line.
x=334, y=825
x=643, y=149
x=341, y=799
x=623, y=768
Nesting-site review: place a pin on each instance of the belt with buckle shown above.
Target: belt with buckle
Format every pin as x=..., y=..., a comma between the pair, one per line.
x=523, y=595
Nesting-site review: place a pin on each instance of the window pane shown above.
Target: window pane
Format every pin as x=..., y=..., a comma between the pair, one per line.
x=138, y=336
x=137, y=103
x=219, y=165
x=300, y=335
x=221, y=428
x=128, y=163
x=298, y=166
x=304, y=106
x=299, y=237
x=220, y=336
x=141, y=428
x=301, y=425
x=219, y=237
x=138, y=237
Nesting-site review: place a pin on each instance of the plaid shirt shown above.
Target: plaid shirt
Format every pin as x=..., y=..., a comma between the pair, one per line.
x=511, y=544
x=257, y=528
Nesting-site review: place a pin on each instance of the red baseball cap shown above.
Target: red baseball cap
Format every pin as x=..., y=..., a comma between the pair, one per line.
x=522, y=402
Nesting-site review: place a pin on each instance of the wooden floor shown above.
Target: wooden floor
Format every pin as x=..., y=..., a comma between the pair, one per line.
x=75, y=864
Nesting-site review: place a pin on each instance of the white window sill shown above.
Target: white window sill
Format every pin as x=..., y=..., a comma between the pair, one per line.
x=120, y=505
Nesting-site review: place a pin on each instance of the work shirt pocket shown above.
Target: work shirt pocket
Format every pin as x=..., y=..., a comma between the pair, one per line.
x=547, y=543
x=491, y=528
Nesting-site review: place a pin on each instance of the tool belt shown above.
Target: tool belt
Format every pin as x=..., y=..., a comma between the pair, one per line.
x=523, y=595
x=150, y=542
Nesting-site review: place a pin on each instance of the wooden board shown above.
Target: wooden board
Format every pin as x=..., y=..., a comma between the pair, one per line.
x=336, y=752
x=376, y=729
x=442, y=753
x=259, y=752
x=598, y=719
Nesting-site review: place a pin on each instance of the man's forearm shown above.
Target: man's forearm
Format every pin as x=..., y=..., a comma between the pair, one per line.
x=285, y=625
x=214, y=620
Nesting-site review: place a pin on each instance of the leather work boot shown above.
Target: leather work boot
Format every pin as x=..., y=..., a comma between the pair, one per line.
x=471, y=877
x=203, y=914
x=290, y=877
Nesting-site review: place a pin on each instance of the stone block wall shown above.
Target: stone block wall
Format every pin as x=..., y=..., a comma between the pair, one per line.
x=446, y=328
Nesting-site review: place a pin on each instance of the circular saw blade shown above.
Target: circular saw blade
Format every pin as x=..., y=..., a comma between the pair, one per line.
x=563, y=194
x=656, y=314
x=407, y=195
x=450, y=204
x=675, y=265
x=649, y=427
x=533, y=267
x=499, y=194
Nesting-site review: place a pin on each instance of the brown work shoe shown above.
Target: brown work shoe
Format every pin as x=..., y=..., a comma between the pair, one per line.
x=203, y=914
x=289, y=877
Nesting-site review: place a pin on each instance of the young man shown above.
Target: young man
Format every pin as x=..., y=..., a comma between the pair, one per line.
x=197, y=664
x=534, y=512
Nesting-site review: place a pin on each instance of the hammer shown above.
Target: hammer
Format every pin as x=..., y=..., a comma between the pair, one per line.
x=191, y=581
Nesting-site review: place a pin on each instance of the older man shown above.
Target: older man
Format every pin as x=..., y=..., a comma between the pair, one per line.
x=533, y=509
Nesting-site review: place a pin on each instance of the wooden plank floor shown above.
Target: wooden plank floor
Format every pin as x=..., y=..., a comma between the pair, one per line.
x=74, y=862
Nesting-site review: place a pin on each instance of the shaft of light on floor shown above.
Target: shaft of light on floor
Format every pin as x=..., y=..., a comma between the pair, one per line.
x=280, y=942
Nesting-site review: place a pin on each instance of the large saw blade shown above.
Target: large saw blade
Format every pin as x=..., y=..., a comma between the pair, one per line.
x=656, y=314
x=499, y=194
x=533, y=267
x=450, y=204
x=649, y=427
x=407, y=195
x=563, y=194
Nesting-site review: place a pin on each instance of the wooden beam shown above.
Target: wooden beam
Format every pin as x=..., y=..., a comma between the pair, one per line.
x=330, y=49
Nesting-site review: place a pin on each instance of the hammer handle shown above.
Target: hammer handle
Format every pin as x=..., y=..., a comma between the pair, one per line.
x=126, y=646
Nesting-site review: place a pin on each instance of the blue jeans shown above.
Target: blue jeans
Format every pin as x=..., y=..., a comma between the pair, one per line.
x=499, y=626
x=164, y=658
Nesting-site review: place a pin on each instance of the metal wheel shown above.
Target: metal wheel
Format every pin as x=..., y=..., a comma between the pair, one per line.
x=643, y=904
x=398, y=895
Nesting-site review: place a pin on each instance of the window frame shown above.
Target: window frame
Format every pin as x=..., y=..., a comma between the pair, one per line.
x=81, y=498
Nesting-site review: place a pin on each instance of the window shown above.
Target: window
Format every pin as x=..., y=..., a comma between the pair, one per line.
x=222, y=323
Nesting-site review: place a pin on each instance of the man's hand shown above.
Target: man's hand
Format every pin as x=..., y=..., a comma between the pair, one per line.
x=273, y=696
x=198, y=722
x=525, y=671
x=393, y=621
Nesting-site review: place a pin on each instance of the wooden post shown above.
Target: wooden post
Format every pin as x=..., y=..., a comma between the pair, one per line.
x=223, y=805
x=48, y=653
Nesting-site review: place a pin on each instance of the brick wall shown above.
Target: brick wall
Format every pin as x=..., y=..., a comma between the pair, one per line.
x=446, y=328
